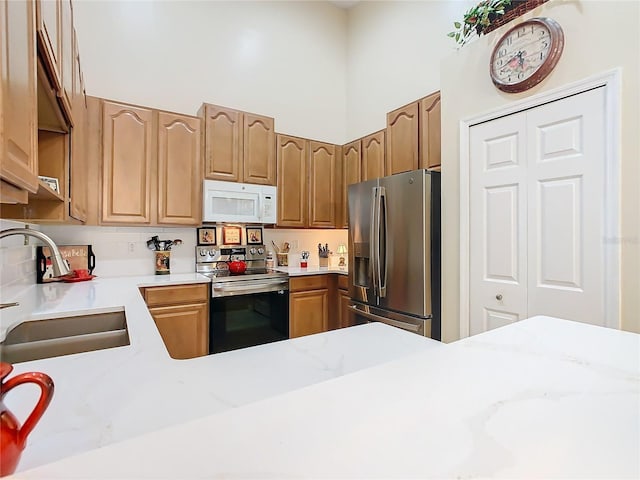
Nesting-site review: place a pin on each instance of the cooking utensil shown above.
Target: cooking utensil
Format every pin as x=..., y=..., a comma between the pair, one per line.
x=275, y=246
x=286, y=247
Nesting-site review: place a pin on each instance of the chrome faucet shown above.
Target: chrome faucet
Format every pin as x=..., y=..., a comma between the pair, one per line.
x=58, y=264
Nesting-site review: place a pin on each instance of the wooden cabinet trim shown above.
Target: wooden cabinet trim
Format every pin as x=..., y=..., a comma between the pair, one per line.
x=430, y=131
x=176, y=294
x=308, y=282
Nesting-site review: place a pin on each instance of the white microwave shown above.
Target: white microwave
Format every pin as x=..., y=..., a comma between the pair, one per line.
x=238, y=202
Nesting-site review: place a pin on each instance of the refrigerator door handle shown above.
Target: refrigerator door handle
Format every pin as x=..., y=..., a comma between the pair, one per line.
x=373, y=238
x=382, y=243
x=389, y=321
x=377, y=276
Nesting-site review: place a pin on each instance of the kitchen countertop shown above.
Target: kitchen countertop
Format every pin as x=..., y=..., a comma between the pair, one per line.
x=110, y=395
x=541, y=398
x=312, y=270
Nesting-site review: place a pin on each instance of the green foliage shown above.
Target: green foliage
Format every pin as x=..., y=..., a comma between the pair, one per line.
x=477, y=19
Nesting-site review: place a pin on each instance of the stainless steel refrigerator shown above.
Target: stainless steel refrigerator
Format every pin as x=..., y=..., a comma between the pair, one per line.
x=394, y=254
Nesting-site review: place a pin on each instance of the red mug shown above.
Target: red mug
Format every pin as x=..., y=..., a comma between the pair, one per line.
x=13, y=437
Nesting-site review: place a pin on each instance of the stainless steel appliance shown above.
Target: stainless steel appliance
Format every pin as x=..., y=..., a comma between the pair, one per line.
x=238, y=202
x=394, y=254
x=247, y=309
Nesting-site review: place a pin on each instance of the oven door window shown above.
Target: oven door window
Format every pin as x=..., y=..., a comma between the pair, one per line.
x=248, y=320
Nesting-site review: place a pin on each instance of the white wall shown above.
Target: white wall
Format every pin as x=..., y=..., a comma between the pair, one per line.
x=394, y=52
x=282, y=59
x=599, y=36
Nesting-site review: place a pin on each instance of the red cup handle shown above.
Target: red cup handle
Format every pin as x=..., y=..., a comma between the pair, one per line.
x=46, y=393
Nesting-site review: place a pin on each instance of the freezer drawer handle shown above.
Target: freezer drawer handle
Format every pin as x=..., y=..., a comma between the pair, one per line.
x=395, y=323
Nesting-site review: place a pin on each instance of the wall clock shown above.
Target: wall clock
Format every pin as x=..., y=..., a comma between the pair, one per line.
x=526, y=54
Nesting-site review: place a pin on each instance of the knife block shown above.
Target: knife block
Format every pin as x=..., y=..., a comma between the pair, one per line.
x=324, y=261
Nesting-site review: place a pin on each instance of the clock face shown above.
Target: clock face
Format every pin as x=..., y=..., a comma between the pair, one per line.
x=526, y=54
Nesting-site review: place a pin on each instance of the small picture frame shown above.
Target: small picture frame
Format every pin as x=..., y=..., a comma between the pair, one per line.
x=231, y=235
x=52, y=183
x=207, y=236
x=254, y=235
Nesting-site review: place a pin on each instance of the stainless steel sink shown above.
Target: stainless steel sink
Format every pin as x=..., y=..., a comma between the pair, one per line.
x=63, y=336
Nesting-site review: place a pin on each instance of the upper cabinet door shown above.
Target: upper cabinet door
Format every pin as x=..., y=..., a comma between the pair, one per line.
x=291, y=159
x=67, y=59
x=18, y=149
x=179, y=160
x=49, y=20
x=373, y=153
x=322, y=187
x=259, y=150
x=78, y=161
x=126, y=163
x=430, y=131
x=223, y=144
x=350, y=174
x=402, y=139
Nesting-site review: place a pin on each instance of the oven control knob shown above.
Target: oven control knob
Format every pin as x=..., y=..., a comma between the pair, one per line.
x=252, y=251
x=212, y=252
x=260, y=251
x=202, y=253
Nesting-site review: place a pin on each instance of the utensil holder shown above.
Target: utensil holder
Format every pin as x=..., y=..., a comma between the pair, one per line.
x=324, y=261
x=283, y=259
x=163, y=262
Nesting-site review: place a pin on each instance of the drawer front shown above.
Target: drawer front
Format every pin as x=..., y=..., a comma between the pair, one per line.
x=343, y=282
x=176, y=294
x=309, y=282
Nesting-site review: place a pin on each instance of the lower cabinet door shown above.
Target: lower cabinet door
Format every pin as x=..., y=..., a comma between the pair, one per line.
x=184, y=329
x=345, y=316
x=308, y=312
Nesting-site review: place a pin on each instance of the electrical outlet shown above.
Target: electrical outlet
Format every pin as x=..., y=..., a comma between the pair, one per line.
x=131, y=247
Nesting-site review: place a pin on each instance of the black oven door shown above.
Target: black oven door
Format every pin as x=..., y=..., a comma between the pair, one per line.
x=241, y=321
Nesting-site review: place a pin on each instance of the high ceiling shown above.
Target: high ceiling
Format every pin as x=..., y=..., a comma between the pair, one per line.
x=346, y=4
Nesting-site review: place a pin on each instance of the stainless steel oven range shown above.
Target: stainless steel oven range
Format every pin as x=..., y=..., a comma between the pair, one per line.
x=247, y=309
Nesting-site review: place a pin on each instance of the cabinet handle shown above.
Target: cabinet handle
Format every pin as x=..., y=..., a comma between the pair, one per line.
x=499, y=297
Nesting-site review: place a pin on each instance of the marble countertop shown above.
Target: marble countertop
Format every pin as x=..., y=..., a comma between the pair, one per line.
x=541, y=398
x=111, y=395
x=312, y=270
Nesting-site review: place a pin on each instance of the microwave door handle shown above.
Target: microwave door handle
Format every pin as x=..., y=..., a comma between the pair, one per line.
x=382, y=243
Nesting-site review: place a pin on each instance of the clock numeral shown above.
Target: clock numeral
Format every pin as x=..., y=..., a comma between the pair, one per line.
x=502, y=52
x=520, y=75
x=541, y=55
x=509, y=40
x=499, y=62
x=545, y=44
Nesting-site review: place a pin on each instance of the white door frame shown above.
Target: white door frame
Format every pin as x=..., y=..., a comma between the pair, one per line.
x=611, y=81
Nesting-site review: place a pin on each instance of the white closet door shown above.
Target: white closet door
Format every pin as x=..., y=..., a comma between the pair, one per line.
x=566, y=181
x=537, y=214
x=498, y=221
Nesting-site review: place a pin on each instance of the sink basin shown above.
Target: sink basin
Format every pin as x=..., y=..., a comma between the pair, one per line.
x=63, y=336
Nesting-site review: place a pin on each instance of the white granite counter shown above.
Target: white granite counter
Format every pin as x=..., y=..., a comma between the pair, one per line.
x=115, y=394
x=312, y=270
x=542, y=398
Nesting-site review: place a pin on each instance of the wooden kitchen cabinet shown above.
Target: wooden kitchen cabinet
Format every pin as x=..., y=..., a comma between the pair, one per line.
x=67, y=50
x=78, y=194
x=322, y=187
x=402, y=141
x=18, y=106
x=126, y=163
x=373, y=156
x=351, y=167
x=307, y=178
x=181, y=314
x=430, y=131
x=239, y=146
x=179, y=159
x=345, y=316
x=308, y=305
x=292, y=181
x=140, y=145
x=49, y=24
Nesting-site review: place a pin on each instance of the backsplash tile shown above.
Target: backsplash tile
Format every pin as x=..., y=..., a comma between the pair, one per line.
x=123, y=250
x=17, y=261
